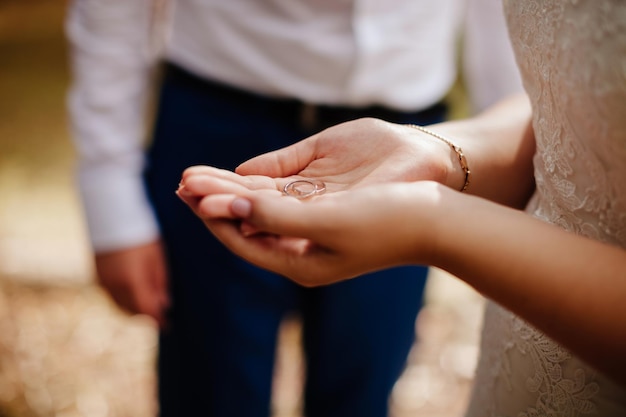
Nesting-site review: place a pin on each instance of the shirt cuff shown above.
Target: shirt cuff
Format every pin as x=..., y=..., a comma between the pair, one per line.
x=117, y=210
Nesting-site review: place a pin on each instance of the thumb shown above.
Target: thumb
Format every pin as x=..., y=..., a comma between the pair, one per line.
x=281, y=163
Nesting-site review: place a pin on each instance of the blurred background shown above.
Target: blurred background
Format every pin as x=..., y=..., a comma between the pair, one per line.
x=65, y=350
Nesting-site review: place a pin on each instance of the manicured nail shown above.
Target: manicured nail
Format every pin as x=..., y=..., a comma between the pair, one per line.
x=241, y=207
x=182, y=191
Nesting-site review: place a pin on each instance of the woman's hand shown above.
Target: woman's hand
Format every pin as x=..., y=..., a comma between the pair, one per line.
x=359, y=153
x=498, y=144
x=325, y=239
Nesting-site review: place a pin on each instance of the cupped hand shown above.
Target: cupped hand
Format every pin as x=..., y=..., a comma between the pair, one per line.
x=330, y=237
x=350, y=155
x=357, y=153
x=347, y=158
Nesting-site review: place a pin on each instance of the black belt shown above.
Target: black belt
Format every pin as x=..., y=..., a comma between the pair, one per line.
x=307, y=116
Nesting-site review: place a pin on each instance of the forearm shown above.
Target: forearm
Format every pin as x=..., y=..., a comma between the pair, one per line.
x=499, y=145
x=107, y=102
x=570, y=287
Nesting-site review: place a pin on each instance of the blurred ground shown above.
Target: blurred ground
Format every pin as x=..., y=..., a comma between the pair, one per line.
x=65, y=350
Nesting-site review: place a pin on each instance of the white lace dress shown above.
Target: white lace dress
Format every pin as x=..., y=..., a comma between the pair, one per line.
x=572, y=54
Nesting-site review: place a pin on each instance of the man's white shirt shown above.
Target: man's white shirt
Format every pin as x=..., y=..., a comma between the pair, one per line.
x=402, y=54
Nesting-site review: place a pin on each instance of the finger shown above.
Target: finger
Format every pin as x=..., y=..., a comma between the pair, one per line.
x=117, y=289
x=206, y=170
x=148, y=301
x=287, y=216
x=218, y=206
x=161, y=291
x=125, y=301
x=248, y=229
x=188, y=198
x=149, y=295
x=283, y=162
x=197, y=188
x=252, y=182
x=201, y=184
x=284, y=255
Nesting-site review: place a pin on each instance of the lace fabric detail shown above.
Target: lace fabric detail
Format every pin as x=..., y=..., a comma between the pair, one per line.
x=572, y=56
x=523, y=373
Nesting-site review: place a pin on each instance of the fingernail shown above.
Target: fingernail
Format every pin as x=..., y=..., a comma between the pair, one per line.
x=182, y=191
x=241, y=207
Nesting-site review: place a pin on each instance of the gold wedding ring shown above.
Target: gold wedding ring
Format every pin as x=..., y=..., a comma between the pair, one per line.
x=302, y=189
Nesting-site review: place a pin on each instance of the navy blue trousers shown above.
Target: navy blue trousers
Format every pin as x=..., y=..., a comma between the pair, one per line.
x=217, y=356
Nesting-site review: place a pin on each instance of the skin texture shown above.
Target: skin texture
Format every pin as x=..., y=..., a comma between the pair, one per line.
x=136, y=279
x=337, y=236
x=375, y=215
x=499, y=144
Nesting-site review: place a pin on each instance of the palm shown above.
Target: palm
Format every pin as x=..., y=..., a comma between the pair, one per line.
x=342, y=168
x=350, y=155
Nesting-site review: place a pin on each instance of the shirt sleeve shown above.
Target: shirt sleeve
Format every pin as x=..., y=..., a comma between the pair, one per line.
x=489, y=67
x=111, y=66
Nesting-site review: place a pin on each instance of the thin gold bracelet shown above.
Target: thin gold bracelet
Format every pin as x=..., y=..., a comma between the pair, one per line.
x=456, y=149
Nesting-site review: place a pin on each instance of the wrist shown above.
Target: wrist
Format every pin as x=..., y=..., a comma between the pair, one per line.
x=458, y=173
x=429, y=208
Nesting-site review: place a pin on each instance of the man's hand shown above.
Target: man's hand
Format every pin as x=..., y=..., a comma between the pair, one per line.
x=136, y=278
